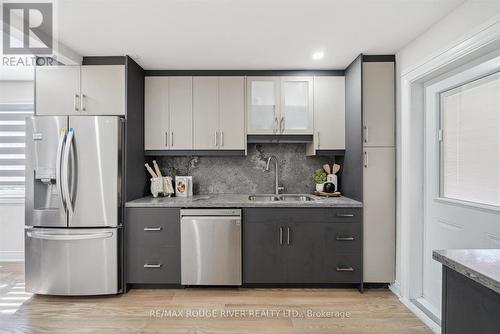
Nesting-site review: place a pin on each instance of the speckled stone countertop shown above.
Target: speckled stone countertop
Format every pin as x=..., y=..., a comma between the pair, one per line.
x=480, y=265
x=238, y=201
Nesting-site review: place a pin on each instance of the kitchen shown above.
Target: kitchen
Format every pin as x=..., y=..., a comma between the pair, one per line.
x=254, y=197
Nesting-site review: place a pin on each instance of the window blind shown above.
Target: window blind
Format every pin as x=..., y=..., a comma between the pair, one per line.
x=12, y=153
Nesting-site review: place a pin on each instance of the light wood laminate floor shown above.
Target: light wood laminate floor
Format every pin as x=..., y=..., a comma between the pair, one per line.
x=167, y=311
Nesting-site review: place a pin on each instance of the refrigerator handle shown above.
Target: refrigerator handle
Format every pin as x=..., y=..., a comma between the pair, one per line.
x=65, y=171
x=60, y=146
x=68, y=237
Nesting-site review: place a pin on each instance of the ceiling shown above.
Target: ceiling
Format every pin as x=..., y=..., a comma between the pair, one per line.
x=244, y=34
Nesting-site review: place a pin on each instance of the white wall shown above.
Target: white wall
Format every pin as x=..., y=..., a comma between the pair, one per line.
x=453, y=29
x=12, y=210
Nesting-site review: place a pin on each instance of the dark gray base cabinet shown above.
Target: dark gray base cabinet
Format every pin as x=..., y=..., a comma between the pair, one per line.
x=153, y=253
x=302, y=246
x=467, y=306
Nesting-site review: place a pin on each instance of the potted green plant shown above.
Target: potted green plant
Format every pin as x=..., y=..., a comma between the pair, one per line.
x=319, y=178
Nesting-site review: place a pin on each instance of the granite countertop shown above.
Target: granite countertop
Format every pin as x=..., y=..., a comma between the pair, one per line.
x=480, y=265
x=238, y=201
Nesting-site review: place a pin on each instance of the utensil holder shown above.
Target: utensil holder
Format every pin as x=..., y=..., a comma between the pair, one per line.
x=160, y=186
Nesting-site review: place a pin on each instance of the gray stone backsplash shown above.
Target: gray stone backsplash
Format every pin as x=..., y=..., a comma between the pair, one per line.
x=246, y=175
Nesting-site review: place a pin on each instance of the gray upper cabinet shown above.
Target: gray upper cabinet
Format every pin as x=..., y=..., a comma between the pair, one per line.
x=206, y=112
x=329, y=114
x=279, y=105
x=168, y=117
x=232, y=134
x=57, y=90
x=378, y=104
x=80, y=90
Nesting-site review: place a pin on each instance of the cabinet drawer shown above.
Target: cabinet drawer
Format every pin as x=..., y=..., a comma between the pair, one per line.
x=343, y=237
x=303, y=215
x=154, y=265
x=343, y=267
x=153, y=226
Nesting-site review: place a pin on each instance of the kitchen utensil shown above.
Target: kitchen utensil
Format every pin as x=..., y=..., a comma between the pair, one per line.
x=157, y=168
x=335, y=169
x=151, y=172
x=326, y=168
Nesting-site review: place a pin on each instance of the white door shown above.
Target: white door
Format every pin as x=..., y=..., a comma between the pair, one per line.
x=206, y=113
x=181, y=113
x=156, y=120
x=296, y=105
x=378, y=104
x=232, y=113
x=57, y=90
x=103, y=89
x=329, y=113
x=462, y=169
x=263, y=109
x=379, y=214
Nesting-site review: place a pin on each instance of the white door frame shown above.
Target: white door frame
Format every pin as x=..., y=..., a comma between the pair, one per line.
x=410, y=156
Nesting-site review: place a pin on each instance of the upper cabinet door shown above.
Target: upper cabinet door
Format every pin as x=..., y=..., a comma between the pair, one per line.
x=156, y=120
x=378, y=104
x=232, y=113
x=329, y=113
x=297, y=105
x=57, y=90
x=181, y=113
x=103, y=90
x=206, y=112
x=263, y=105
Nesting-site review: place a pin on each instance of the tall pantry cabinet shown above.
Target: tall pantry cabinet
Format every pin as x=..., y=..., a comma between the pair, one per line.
x=370, y=152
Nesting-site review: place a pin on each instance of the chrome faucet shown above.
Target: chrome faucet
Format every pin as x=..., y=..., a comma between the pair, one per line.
x=277, y=187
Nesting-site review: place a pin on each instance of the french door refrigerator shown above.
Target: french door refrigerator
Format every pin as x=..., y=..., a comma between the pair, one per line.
x=73, y=204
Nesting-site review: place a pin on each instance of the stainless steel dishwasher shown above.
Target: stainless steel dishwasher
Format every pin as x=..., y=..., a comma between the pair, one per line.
x=211, y=247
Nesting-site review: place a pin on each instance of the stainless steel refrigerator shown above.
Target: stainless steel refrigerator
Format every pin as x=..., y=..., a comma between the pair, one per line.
x=73, y=204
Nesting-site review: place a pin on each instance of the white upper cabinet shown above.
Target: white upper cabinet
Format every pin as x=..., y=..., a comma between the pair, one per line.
x=80, y=90
x=103, y=90
x=296, y=106
x=280, y=105
x=156, y=117
x=168, y=113
x=232, y=134
x=180, y=100
x=329, y=113
x=378, y=104
x=206, y=112
x=57, y=90
x=263, y=105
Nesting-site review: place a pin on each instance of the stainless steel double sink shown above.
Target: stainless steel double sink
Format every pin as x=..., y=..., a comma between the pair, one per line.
x=284, y=198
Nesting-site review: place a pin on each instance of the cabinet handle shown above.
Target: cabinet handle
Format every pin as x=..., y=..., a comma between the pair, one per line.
x=344, y=269
x=172, y=138
x=222, y=138
x=288, y=235
x=166, y=138
x=318, y=140
x=76, y=102
x=83, y=102
x=152, y=229
x=216, y=134
x=282, y=123
x=147, y=265
x=344, y=215
x=366, y=159
x=365, y=139
x=344, y=238
x=281, y=235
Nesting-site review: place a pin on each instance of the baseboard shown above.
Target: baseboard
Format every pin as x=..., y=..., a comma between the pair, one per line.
x=395, y=288
x=421, y=315
x=11, y=256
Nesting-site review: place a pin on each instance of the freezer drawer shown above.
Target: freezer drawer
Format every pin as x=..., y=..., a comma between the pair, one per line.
x=71, y=262
x=210, y=249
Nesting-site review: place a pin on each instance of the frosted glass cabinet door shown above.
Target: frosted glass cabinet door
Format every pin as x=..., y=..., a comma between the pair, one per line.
x=263, y=105
x=297, y=108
